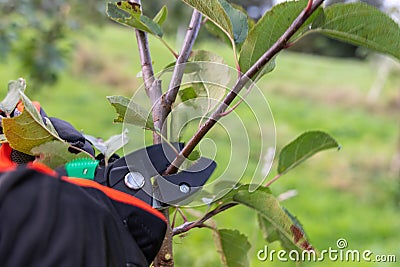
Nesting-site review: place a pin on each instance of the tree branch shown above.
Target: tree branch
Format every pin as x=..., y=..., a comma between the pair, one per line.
x=154, y=92
x=200, y=223
x=152, y=87
x=176, y=79
x=241, y=82
x=162, y=107
x=191, y=35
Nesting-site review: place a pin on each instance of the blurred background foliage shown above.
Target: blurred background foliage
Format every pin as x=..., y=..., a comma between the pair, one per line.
x=76, y=56
x=38, y=31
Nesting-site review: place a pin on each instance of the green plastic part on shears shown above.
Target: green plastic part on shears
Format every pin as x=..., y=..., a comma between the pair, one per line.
x=82, y=168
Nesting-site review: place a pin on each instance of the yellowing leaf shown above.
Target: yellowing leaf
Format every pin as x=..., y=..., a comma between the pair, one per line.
x=27, y=130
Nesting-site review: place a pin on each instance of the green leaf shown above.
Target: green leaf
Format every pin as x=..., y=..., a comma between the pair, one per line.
x=12, y=98
x=27, y=130
x=216, y=31
x=112, y=145
x=215, y=12
x=271, y=233
x=226, y=190
x=212, y=28
x=238, y=20
x=204, y=55
x=130, y=112
x=153, y=27
x=195, y=155
x=161, y=16
x=267, y=31
x=233, y=247
x=215, y=91
x=278, y=225
x=130, y=14
x=360, y=24
x=98, y=143
x=118, y=14
x=303, y=147
x=187, y=93
x=230, y=20
x=55, y=153
x=189, y=68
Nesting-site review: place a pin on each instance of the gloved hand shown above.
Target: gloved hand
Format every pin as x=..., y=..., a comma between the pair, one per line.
x=52, y=220
x=64, y=129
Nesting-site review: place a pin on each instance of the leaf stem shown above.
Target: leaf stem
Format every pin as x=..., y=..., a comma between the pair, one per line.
x=168, y=47
x=240, y=83
x=273, y=180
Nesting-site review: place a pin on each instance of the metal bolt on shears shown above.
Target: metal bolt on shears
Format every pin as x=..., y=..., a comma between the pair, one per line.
x=140, y=171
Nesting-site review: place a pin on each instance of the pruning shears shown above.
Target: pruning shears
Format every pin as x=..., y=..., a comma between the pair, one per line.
x=140, y=175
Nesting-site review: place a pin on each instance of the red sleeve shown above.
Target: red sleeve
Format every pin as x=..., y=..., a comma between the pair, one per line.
x=5, y=158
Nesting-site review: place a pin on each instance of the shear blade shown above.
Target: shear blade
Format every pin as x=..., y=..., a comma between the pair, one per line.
x=175, y=188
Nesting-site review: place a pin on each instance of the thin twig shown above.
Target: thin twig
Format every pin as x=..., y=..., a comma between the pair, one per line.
x=225, y=113
x=183, y=57
x=241, y=82
x=184, y=218
x=200, y=223
x=174, y=218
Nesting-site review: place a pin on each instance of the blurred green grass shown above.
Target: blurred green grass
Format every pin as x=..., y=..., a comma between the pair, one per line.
x=348, y=194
